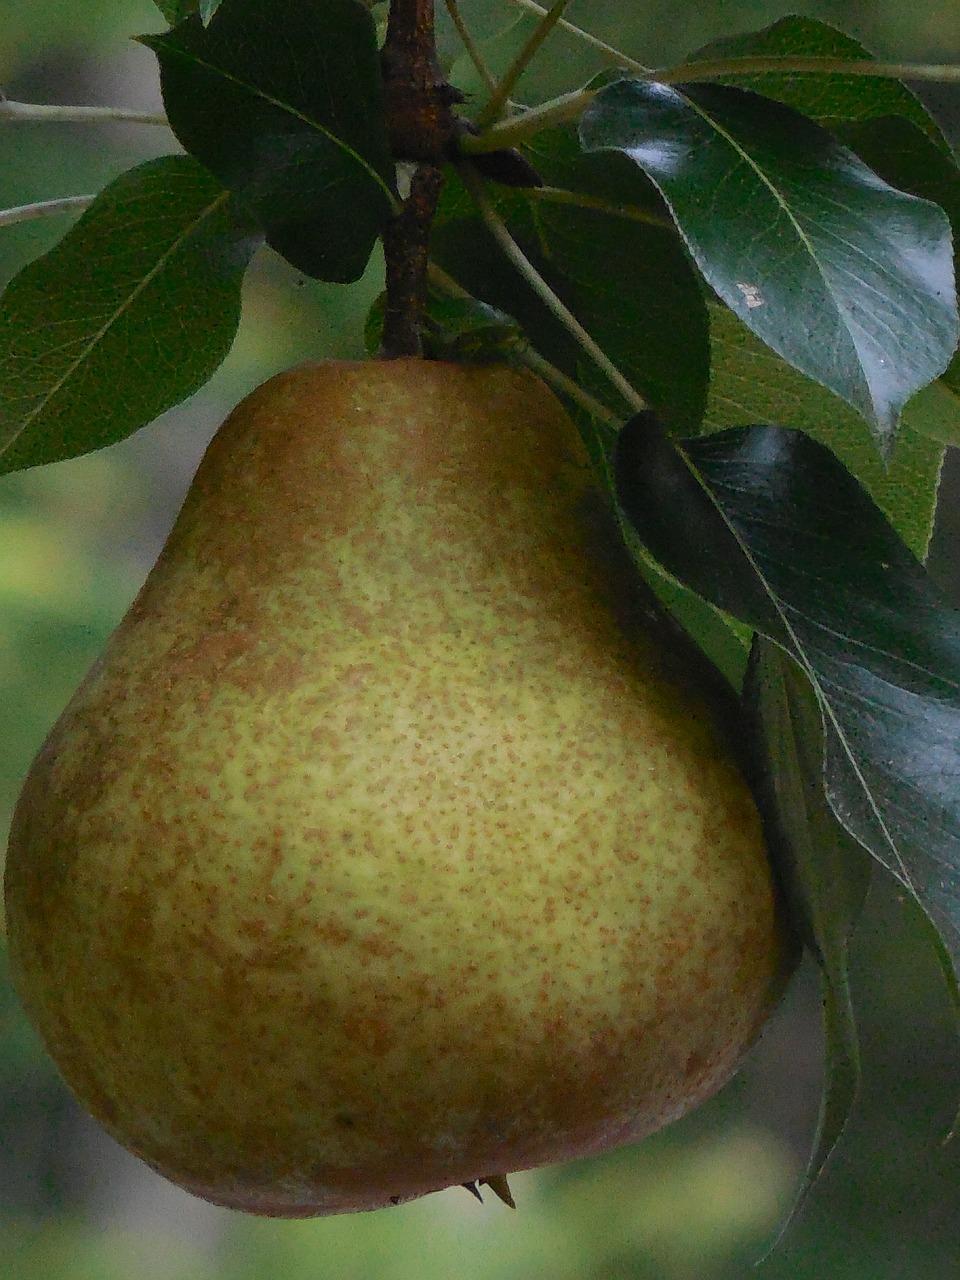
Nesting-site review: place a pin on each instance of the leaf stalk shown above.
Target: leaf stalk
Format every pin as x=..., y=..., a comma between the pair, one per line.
x=44, y=209
x=501, y=234
x=501, y=94
x=54, y=113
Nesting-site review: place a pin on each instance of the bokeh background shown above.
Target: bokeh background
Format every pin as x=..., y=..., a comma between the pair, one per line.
x=700, y=1202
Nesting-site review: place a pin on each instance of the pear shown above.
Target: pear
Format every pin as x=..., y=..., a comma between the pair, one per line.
x=384, y=849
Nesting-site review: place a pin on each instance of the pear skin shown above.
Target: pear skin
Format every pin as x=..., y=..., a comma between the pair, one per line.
x=384, y=850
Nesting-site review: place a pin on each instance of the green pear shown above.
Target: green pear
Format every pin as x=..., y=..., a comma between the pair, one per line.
x=384, y=849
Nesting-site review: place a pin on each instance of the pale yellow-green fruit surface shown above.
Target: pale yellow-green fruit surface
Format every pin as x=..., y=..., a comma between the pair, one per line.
x=379, y=853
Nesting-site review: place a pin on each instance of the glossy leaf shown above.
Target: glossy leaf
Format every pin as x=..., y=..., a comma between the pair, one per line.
x=848, y=279
x=283, y=103
x=765, y=523
x=905, y=157
x=751, y=383
x=129, y=314
x=832, y=98
x=629, y=279
x=825, y=872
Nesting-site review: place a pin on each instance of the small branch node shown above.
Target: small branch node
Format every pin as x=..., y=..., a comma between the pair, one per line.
x=419, y=100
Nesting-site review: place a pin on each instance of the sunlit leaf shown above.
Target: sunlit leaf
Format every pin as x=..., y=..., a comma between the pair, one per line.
x=129, y=314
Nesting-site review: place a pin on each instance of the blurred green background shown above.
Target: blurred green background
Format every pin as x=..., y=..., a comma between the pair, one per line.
x=697, y=1203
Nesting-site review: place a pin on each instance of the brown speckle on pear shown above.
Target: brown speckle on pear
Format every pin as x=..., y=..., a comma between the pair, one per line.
x=383, y=805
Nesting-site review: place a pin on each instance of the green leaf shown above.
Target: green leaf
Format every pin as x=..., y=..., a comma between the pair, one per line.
x=462, y=246
x=831, y=98
x=952, y=376
x=848, y=279
x=904, y=157
x=723, y=641
x=934, y=413
x=766, y=524
x=176, y=10
x=750, y=383
x=498, y=52
x=825, y=872
x=627, y=276
x=284, y=104
x=129, y=314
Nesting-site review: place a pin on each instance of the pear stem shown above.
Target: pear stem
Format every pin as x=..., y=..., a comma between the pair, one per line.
x=423, y=128
x=405, y=242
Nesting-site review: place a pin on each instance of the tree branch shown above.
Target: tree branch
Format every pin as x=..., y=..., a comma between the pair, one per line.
x=419, y=100
x=405, y=243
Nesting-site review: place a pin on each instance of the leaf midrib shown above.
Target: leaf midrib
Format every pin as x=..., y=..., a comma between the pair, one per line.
x=114, y=317
x=286, y=107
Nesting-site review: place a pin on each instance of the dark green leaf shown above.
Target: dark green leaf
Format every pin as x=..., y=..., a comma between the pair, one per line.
x=935, y=413
x=176, y=10
x=283, y=103
x=131, y=312
x=825, y=872
x=905, y=157
x=766, y=524
x=750, y=383
x=725, y=642
x=848, y=279
x=620, y=267
x=832, y=98
x=461, y=244
x=629, y=279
